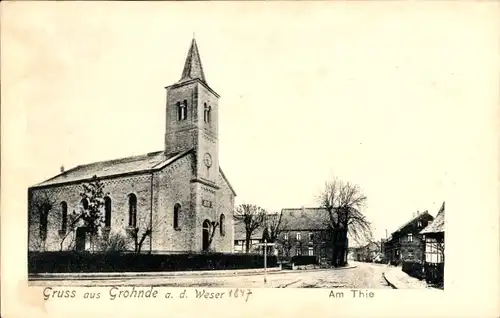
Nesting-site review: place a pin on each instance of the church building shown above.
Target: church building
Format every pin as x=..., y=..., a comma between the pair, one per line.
x=180, y=191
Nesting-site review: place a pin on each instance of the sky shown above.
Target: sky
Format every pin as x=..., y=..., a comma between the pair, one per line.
x=308, y=92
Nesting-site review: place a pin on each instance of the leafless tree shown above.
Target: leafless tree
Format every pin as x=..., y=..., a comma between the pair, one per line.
x=141, y=232
x=344, y=201
x=274, y=225
x=252, y=216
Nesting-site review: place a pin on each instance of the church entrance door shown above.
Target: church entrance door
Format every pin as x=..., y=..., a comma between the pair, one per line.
x=81, y=234
x=205, y=234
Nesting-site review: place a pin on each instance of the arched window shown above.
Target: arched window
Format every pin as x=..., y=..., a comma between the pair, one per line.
x=182, y=110
x=205, y=113
x=44, y=221
x=209, y=114
x=132, y=210
x=178, y=104
x=222, y=225
x=177, y=210
x=107, y=211
x=64, y=216
x=84, y=203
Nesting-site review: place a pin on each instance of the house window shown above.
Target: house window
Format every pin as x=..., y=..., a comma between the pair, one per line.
x=64, y=216
x=419, y=224
x=410, y=237
x=222, y=225
x=298, y=236
x=286, y=236
x=177, y=210
x=298, y=251
x=410, y=253
x=132, y=210
x=310, y=237
x=107, y=211
x=397, y=252
x=209, y=114
x=311, y=251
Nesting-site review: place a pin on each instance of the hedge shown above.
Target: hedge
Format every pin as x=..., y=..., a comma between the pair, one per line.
x=304, y=260
x=414, y=269
x=73, y=262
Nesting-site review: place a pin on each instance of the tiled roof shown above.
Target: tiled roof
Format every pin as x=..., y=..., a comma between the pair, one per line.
x=425, y=213
x=135, y=164
x=437, y=225
x=305, y=219
x=239, y=232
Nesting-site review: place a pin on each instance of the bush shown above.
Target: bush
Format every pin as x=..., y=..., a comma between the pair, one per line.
x=304, y=260
x=413, y=269
x=116, y=242
x=73, y=262
x=434, y=274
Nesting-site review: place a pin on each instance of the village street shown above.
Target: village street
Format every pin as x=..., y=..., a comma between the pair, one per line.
x=364, y=275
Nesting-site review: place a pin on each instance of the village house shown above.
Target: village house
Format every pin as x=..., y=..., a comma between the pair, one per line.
x=370, y=252
x=180, y=190
x=406, y=244
x=433, y=235
x=305, y=232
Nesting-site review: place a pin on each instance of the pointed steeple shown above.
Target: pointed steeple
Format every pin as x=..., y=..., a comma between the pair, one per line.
x=192, y=66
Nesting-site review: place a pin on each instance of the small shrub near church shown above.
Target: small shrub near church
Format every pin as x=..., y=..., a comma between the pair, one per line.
x=304, y=260
x=72, y=262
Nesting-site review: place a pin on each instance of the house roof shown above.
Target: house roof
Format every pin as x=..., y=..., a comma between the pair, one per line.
x=111, y=168
x=304, y=219
x=437, y=225
x=419, y=216
x=239, y=232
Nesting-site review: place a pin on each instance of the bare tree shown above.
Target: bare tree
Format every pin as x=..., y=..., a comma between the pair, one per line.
x=344, y=201
x=141, y=232
x=252, y=216
x=274, y=225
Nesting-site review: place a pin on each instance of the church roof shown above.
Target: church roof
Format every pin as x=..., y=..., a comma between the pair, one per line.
x=436, y=226
x=305, y=219
x=112, y=168
x=192, y=67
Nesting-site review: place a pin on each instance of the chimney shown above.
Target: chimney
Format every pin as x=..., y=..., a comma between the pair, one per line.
x=62, y=168
x=418, y=212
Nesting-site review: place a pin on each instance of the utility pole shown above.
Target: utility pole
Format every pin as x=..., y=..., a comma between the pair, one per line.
x=265, y=261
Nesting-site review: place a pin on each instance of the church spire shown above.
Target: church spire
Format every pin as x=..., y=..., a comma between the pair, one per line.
x=192, y=66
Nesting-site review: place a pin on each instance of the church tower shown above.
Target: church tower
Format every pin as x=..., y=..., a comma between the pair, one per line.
x=192, y=118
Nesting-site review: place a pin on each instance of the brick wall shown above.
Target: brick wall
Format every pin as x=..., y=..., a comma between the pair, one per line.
x=174, y=188
x=171, y=186
x=118, y=189
x=320, y=243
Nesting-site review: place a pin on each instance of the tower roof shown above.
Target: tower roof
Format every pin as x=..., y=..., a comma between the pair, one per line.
x=192, y=67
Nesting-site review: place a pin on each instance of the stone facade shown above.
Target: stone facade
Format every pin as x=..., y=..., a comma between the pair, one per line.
x=183, y=180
